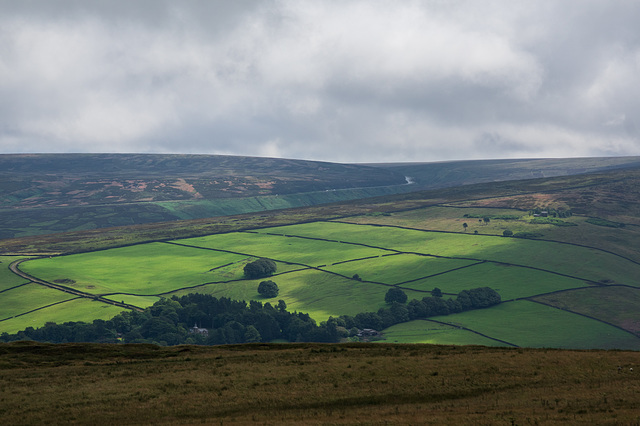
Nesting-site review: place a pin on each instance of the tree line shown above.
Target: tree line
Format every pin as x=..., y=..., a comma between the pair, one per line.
x=201, y=319
x=172, y=321
x=398, y=312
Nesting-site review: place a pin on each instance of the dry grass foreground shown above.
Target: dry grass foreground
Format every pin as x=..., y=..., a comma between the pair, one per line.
x=315, y=384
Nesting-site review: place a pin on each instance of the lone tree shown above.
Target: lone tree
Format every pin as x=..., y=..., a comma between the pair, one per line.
x=395, y=295
x=486, y=220
x=259, y=268
x=507, y=233
x=464, y=225
x=268, y=289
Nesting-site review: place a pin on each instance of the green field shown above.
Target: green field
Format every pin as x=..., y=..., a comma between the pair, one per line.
x=142, y=269
x=420, y=331
x=616, y=305
x=7, y=278
x=581, y=262
x=72, y=310
x=316, y=265
x=397, y=269
x=511, y=282
x=281, y=248
x=529, y=324
x=139, y=301
x=29, y=297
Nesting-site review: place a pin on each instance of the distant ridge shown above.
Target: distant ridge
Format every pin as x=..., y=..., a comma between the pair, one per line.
x=51, y=193
x=446, y=174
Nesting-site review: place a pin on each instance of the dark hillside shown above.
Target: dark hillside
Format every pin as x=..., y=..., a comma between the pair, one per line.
x=47, y=193
x=52, y=193
x=616, y=192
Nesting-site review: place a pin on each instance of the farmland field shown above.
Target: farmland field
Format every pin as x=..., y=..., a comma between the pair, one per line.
x=29, y=297
x=7, y=278
x=510, y=281
x=529, y=324
x=78, y=309
x=332, y=269
x=584, y=263
x=420, y=331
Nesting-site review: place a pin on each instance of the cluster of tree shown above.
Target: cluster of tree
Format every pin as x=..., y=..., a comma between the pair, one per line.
x=477, y=298
x=202, y=319
x=171, y=322
x=260, y=268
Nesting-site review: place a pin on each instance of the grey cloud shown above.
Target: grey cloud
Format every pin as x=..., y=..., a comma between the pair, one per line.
x=328, y=80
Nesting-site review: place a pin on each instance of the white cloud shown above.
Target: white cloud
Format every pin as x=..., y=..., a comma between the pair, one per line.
x=339, y=81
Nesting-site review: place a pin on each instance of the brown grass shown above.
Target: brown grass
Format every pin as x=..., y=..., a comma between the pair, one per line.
x=315, y=384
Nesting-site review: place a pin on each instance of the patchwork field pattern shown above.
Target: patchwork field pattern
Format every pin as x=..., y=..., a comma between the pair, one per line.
x=331, y=269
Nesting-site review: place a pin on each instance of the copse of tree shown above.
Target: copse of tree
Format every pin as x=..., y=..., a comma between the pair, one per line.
x=268, y=289
x=395, y=295
x=171, y=322
x=477, y=298
x=260, y=268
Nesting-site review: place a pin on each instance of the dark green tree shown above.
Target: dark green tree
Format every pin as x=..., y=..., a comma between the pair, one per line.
x=486, y=220
x=251, y=335
x=395, y=295
x=464, y=225
x=436, y=292
x=507, y=233
x=282, y=306
x=268, y=289
x=259, y=268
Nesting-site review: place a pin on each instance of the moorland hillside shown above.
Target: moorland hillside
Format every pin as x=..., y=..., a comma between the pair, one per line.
x=50, y=193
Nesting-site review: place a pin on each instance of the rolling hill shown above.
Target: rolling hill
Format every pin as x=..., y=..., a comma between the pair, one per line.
x=567, y=278
x=50, y=193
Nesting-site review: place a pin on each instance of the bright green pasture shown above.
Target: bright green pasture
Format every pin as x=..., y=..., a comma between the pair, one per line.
x=146, y=269
x=80, y=309
x=577, y=261
x=420, y=331
x=287, y=249
x=397, y=268
x=7, y=278
x=139, y=301
x=510, y=281
x=28, y=297
x=530, y=324
x=317, y=293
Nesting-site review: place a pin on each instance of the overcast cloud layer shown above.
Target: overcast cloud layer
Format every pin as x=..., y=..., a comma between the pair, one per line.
x=348, y=81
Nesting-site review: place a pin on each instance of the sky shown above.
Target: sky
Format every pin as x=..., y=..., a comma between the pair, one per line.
x=342, y=81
